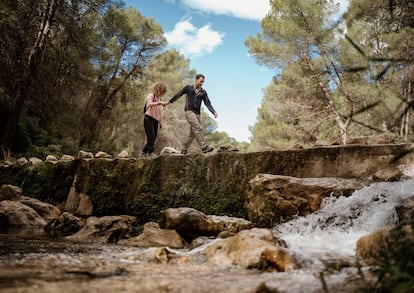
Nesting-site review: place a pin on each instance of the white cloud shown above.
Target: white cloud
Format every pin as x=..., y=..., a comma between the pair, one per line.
x=248, y=9
x=191, y=40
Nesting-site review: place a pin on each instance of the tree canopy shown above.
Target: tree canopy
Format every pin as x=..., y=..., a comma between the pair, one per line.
x=334, y=81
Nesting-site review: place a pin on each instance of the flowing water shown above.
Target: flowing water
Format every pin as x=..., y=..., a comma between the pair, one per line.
x=324, y=242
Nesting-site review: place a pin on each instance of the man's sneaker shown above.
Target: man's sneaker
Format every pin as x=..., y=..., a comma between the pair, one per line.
x=207, y=149
x=152, y=155
x=142, y=154
x=183, y=152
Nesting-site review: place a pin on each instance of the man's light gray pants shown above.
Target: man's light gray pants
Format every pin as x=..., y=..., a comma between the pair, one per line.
x=195, y=130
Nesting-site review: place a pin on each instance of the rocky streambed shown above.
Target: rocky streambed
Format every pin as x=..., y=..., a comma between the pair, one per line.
x=313, y=253
x=35, y=263
x=311, y=215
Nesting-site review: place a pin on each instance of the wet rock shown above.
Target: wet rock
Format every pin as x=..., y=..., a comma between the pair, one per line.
x=278, y=258
x=255, y=248
x=274, y=199
x=65, y=224
x=45, y=210
x=191, y=223
x=383, y=244
x=10, y=192
x=153, y=236
x=369, y=248
x=225, y=234
x=199, y=241
x=152, y=254
x=109, y=229
x=17, y=214
x=406, y=210
x=227, y=224
x=99, y=272
x=387, y=175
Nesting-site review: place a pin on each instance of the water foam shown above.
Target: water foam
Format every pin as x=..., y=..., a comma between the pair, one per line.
x=332, y=232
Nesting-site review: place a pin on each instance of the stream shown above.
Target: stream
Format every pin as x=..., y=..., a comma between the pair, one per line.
x=323, y=244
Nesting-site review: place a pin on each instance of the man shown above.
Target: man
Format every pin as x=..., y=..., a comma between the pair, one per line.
x=195, y=94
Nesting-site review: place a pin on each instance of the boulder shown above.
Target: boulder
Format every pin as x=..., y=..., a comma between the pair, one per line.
x=76, y=202
x=155, y=254
x=273, y=199
x=45, y=210
x=10, y=192
x=255, y=248
x=108, y=229
x=85, y=206
x=225, y=224
x=153, y=236
x=66, y=224
x=17, y=214
x=379, y=246
x=191, y=223
x=405, y=211
x=387, y=175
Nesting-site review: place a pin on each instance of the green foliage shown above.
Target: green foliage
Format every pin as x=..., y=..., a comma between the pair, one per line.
x=360, y=82
x=107, y=188
x=47, y=182
x=14, y=175
x=70, y=94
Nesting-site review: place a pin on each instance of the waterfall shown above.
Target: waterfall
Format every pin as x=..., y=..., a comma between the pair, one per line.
x=332, y=232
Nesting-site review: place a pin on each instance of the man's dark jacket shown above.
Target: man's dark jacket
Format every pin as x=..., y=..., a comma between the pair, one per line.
x=193, y=101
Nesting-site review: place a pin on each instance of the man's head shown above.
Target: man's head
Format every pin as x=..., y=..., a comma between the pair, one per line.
x=199, y=80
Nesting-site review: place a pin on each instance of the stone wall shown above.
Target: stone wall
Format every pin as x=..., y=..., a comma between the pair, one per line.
x=213, y=184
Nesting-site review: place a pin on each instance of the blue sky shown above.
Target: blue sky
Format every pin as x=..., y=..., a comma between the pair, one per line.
x=211, y=33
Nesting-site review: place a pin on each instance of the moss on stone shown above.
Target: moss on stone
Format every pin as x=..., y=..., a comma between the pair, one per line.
x=45, y=181
x=214, y=184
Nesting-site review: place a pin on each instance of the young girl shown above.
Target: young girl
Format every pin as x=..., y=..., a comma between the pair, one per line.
x=152, y=118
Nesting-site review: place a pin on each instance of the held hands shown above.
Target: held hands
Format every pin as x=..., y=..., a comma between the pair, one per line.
x=163, y=103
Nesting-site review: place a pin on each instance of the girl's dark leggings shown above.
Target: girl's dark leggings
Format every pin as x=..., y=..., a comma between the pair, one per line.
x=151, y=130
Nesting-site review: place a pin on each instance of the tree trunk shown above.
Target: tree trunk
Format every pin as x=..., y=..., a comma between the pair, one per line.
x=343, y=126
x=11, y=124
